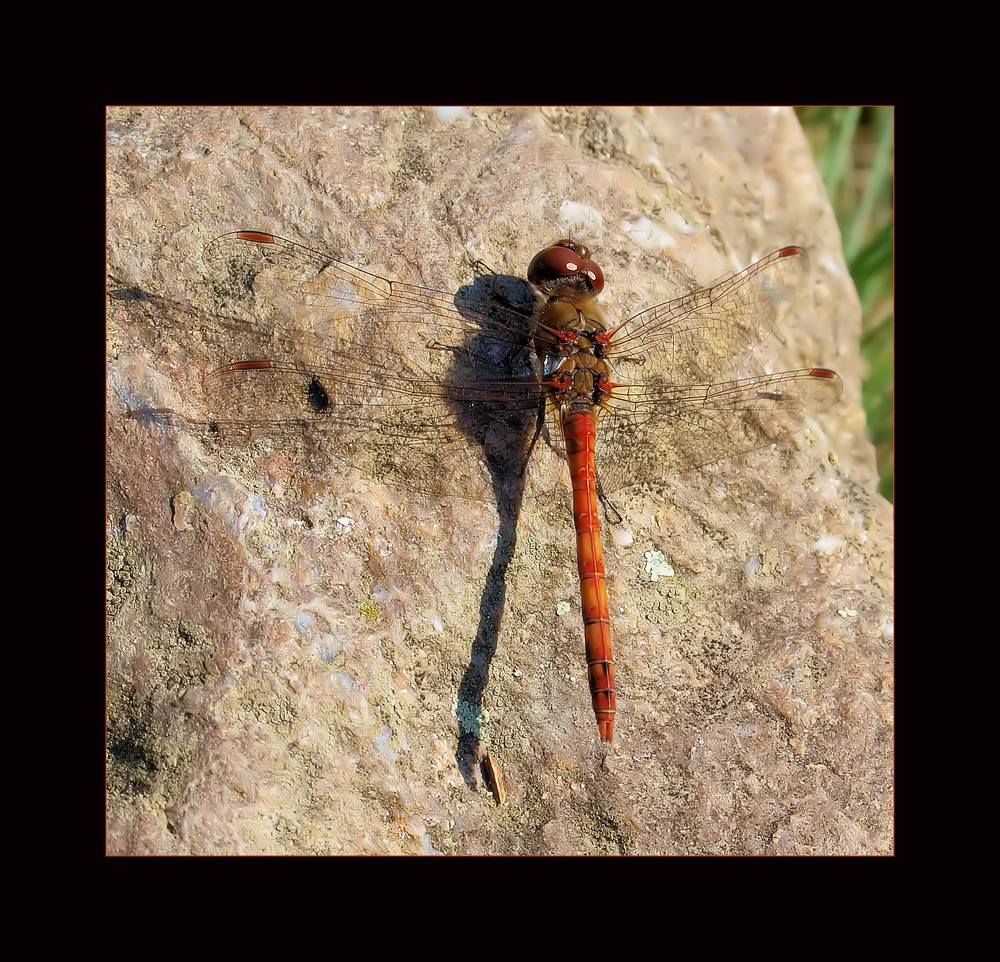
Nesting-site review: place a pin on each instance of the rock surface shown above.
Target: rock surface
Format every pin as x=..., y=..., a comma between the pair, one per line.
x=291, y=645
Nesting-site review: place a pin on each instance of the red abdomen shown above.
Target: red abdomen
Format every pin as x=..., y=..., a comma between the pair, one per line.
x=580, y=432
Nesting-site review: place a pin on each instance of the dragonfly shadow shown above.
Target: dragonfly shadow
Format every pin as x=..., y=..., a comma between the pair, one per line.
x=501, y=352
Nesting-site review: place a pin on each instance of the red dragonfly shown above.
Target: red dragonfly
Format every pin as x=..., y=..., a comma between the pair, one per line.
x=436, y=391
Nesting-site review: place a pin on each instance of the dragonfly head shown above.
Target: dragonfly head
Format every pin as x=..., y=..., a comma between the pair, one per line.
x=565, y=260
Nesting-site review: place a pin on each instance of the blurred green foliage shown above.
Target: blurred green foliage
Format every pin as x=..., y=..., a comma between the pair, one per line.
x=854, y=152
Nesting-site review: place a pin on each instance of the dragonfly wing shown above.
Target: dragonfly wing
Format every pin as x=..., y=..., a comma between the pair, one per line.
x=672, y=429
x=702, y=337
x=338, y=304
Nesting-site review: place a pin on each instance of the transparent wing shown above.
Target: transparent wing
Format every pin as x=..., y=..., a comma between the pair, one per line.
x=707, y=422
x=325, y=304
x=691, y=392
x=703, y=336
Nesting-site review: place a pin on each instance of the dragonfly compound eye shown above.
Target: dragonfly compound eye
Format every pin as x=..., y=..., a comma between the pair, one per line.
x=565, y=259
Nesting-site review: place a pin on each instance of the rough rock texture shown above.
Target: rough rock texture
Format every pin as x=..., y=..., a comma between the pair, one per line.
x=290, y=644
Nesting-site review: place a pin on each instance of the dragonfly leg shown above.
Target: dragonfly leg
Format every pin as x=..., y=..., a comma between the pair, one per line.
x=611, y=512
x=539, y=424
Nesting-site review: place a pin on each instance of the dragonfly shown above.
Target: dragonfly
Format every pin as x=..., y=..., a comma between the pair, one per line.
x=462, y=394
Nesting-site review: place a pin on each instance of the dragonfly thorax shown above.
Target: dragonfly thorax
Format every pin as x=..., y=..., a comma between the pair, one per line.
x=571, y=313
x=578, y=382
